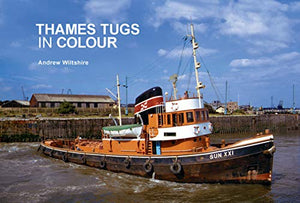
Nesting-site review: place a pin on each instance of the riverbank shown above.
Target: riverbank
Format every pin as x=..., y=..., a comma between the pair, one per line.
x=26, y=130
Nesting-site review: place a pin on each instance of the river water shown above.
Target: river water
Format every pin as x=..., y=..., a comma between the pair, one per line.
x=28, y=176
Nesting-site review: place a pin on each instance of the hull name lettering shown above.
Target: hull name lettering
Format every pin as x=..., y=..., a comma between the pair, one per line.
x=221, y=155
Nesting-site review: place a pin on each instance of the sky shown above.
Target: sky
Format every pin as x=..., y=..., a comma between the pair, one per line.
x=254, y=45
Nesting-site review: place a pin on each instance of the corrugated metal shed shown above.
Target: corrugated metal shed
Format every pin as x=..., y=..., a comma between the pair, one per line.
x=73, y=98
x=16, y=103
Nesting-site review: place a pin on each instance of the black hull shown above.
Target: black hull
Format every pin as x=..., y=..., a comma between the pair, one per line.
x=243, y=164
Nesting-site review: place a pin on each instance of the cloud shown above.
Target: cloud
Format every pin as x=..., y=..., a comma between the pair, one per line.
x=264, y=73
x=114, y=11
x=35, y=48
x=31, y=78
x=243, y=24
x=182, y=77
x=33, y=66
x=259, y=24
x=15, y=44
x=251, y=62
x=264, y=45
x=41, y=86
x=185, y=27
x=294, y=6
x=6, y=89
x=176, y=11
x=176, y=53
x=162, y=52
x=1, y=13
x=277, y=59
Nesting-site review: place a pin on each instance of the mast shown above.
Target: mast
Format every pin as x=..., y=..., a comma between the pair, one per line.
x=225, y=110
x=294, y=106
x=119, y=100
x=126, y=86
x=197, y=66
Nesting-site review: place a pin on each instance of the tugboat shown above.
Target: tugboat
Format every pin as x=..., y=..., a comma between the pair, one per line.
x=170, y=140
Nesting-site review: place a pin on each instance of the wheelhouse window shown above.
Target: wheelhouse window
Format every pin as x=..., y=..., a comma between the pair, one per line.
x=207, y=115
x=180, y=119
x=174, y=117
x=169, y=119
x=160, y=120
x=198, y=116
x=203, y=115
x=189, y=117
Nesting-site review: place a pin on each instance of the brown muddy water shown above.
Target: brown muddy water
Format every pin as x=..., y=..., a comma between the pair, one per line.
x=28, y=176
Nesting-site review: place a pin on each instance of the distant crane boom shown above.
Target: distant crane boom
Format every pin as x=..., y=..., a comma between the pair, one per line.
x=111, y=93
x=24, y=97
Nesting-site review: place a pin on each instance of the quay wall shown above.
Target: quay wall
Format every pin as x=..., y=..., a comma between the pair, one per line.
x=25, y=130
x=255, y=123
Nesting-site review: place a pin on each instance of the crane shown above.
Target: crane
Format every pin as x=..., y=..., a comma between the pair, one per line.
x=24, y=97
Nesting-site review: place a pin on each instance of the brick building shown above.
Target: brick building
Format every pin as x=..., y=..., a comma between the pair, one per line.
x=232, y=106
x=79, y=101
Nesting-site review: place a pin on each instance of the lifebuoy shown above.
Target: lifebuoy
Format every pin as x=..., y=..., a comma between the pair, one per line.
x=176, y=168
x=65, y=157
x=102, y=164
x=153, y=132
x=148, y=167
x=127, y=162
x=196, y=130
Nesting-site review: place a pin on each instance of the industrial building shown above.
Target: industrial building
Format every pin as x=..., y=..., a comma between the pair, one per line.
x=15, y=103
x=79, y=101
x=232, y=106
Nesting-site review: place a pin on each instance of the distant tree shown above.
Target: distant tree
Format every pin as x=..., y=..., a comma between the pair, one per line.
x=239, y=112
x=66, y=108
x=210, y=108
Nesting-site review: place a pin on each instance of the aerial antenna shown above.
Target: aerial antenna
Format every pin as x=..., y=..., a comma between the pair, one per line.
x=173, y=79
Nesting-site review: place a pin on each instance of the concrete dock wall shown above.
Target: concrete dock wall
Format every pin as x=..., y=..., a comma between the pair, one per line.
x=253, y=123
x=36, y=129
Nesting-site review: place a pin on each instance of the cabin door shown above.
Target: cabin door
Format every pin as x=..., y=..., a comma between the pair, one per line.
x=157, y=148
